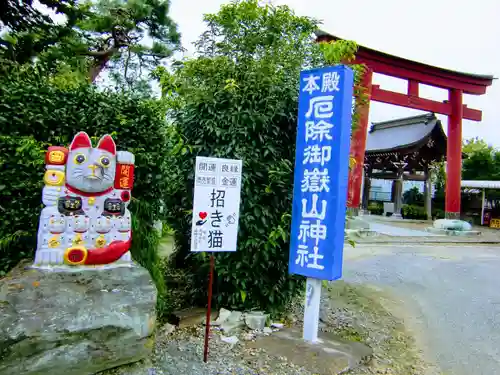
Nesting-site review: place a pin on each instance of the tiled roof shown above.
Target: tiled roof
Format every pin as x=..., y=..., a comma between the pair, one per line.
x=401, y=133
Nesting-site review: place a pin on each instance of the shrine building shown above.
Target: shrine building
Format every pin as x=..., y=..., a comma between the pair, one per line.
x=403, y=150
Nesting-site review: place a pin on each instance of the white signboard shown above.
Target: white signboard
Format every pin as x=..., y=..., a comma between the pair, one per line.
x=216, y=204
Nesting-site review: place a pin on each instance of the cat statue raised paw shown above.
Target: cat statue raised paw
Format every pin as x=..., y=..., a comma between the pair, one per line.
x=85, y=221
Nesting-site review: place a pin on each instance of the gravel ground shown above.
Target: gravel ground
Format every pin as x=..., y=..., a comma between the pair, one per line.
x=181, y=353
x=363, y=310
x=355, y=313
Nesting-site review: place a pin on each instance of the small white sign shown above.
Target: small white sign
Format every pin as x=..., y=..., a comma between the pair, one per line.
x=216, y=205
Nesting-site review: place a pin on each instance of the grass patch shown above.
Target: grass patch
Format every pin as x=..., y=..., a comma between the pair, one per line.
x=350, y=334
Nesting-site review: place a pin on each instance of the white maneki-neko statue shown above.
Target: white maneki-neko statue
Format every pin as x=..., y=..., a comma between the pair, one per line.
x=85, y=221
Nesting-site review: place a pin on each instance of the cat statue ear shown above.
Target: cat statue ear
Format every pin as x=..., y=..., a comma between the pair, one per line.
x=106, y=143
x=81, y=140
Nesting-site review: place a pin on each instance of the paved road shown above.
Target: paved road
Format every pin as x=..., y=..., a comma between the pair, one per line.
x=391, y=230
x=451, y=295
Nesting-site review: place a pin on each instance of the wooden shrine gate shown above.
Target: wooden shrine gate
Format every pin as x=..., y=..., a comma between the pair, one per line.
x=416, y=73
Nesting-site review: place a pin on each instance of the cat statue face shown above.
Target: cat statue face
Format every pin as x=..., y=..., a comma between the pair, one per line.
x=103, y=224
x=57, y=223
x=91, y=170
x=81, y=223
x=123, y=223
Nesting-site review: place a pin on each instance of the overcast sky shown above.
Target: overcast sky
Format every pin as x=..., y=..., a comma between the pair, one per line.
x=461, y=35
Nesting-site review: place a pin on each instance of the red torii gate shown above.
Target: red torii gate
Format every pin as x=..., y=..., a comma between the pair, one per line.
x=414, y=73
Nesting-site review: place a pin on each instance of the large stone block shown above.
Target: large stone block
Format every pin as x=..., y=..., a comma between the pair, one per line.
x=74, y=322
x=457, y=225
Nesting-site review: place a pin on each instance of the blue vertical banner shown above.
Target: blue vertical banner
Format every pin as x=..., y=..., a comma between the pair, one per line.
x=321, y=172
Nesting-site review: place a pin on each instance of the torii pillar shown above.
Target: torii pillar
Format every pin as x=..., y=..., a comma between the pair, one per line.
x=358, y=147
x=415, y=73
x=454, y=156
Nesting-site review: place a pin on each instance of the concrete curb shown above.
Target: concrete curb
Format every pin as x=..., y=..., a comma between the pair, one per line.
x=451, y=232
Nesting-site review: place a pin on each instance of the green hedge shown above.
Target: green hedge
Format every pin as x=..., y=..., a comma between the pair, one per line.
x=408, y=211
x=376, y=208
x=437, y=213
x=418, y=212
x=413, y=212
x=35, y=114
x=237, y=126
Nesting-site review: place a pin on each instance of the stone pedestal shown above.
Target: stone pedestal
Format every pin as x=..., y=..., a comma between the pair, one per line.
x=452, y=228
x=75, y=322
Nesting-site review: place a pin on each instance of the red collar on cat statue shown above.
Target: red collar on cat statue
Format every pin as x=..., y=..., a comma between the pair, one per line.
x=85, y=194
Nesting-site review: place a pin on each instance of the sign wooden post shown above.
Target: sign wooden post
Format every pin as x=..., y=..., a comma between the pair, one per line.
x=216, y=208
x=209, y=306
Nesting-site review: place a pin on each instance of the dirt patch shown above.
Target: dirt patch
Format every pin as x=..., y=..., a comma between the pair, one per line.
x=367, y=314
x=331, y=355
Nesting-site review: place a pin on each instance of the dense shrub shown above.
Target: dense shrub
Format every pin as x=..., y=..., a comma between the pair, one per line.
x=418, y=212
x=437, y=213
x=35, y=114
x=376, y=208
x=413, y=212
x=238, y=99
x=22, y=169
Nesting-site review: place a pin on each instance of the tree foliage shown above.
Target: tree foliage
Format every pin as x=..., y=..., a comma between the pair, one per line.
x=344, y=51
x=115, y=31
x=481, y=162
x=438, y=171
x=27, y=31
x=238, y=99
x=413, y=196
x=125, y=36
x=473, y=145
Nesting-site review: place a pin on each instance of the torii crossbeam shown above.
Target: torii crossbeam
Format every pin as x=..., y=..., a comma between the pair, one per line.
x=416, y=73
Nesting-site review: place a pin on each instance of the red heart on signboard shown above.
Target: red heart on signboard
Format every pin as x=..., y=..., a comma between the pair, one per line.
x=203, y=215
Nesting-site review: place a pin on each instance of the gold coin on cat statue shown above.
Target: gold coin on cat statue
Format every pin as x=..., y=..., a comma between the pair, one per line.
x=54, y=242
x=100, y=241
x=53, y=178
x=78, y=240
